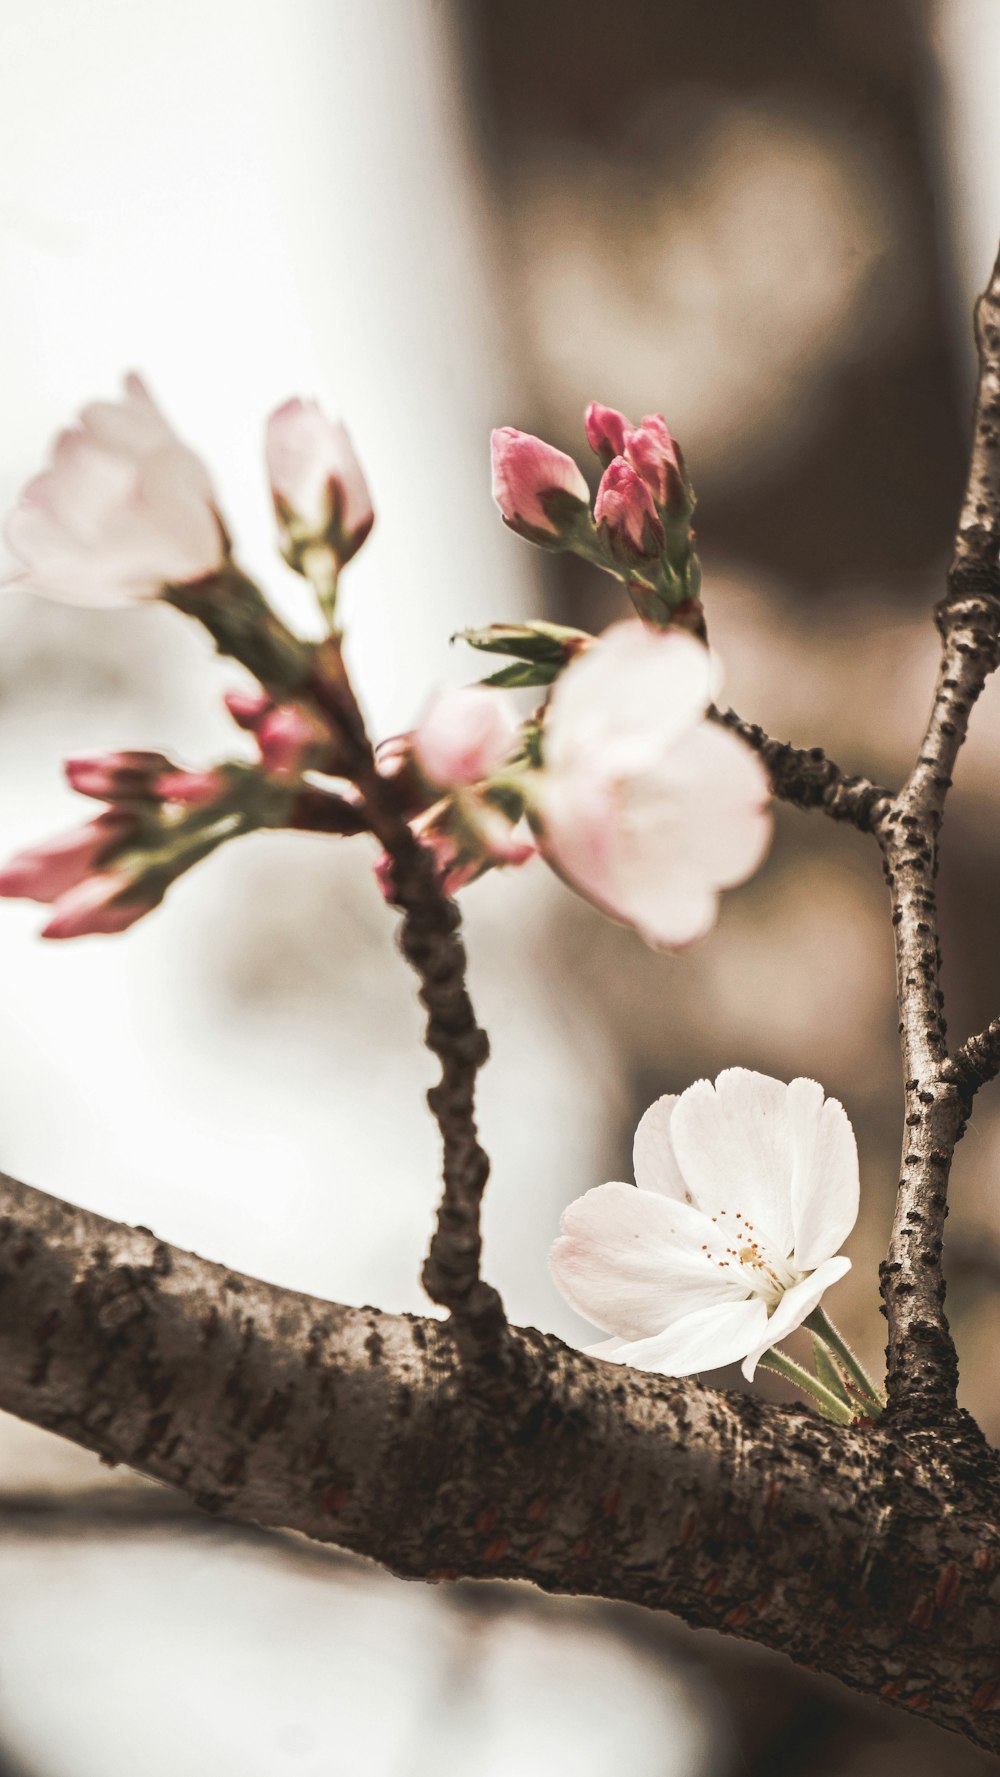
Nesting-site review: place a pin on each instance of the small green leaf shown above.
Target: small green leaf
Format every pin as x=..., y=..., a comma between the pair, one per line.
x=521, y=673
x=539, y=641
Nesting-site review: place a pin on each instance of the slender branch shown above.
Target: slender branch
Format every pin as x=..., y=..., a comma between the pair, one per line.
x=865, y=1552
x=923, y=1368
x=976, y=1062
x=806, y=778
x=431, y=942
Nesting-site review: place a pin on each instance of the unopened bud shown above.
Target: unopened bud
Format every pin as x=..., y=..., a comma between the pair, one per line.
x=320, y=494
x=465, y=735
x=539, y=490
x=116, y=777
x=625, y=514
x=606, y=430
x=652, y=450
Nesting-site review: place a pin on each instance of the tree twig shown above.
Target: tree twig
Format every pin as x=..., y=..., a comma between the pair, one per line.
x=430, y=939
x=976, y=1062
x=806, y=778
x=923, y=1369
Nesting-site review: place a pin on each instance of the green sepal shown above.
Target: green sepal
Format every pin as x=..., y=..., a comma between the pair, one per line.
x=538, y=642
x=521, y=673
x=828, y=1372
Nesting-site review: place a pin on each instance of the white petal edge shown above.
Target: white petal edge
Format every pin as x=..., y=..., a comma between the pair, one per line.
x=704, y=1340
x=825, y=1183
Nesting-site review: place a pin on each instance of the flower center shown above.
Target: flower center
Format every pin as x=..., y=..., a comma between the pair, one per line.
x=743, y=1249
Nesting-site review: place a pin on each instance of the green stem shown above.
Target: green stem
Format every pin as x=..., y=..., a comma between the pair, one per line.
x=824, y=1397
x=820, y=1323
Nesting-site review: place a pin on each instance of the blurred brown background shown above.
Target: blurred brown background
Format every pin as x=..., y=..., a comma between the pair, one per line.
x=766, y=221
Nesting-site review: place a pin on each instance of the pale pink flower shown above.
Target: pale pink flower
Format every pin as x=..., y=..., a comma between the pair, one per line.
x=606, y=429
x=644, y=806
x=46, y=872
x=124, y=510
x=320, y=493
x=653, y=452
x=625, y=514
x=533, y=482
x=744, y=1193
x=465, y=735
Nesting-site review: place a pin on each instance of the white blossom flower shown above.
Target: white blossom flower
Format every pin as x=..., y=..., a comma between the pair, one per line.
x=744, y=1193
x=643, y=805
x=124, y=509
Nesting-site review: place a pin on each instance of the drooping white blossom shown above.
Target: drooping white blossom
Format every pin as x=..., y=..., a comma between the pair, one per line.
x=643, y=805
x=318, y=485
x=745, y=1191
x=123, y=510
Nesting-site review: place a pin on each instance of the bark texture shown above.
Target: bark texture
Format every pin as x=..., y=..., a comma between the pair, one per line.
x=869, y=1553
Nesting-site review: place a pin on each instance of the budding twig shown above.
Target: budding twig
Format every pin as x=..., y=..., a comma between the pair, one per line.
x=923, y=1369
x=431, y=942
x=806, y=778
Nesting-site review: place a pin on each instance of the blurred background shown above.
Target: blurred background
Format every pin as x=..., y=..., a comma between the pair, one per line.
x=438, y=216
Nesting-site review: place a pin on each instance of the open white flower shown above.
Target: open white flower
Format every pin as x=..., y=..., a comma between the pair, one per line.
x=644, y=806
x=124, y=509
x=744, y=1192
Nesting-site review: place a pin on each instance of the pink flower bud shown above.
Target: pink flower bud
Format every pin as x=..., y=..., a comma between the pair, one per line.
x=192, y=789
x=124, y=510
x=320, y=493
x=101, y=904
x=248, y=707
x=537, y=488
x=653, y=452
x=46, y=872
x=116, y=777
x=625, y=513
x=606, y=429
x=291, y=739
x=465, y=735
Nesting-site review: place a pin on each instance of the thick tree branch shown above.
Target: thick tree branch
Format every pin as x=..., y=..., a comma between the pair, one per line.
x=431, y=942
x=870, y=1553
x=923, y=1369
x=806, y=778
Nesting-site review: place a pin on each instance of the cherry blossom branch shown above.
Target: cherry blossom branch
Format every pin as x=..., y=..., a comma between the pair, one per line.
x=431, y=942
x=865, y=1552
x=923, y=1368
x=806, y=778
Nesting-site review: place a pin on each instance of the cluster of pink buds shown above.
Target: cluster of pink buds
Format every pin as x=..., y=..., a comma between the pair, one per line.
x=105, y=875
x=450, y=776
x=640, y=527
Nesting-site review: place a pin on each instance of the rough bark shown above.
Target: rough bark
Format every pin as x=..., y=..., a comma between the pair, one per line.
x=869, y=1553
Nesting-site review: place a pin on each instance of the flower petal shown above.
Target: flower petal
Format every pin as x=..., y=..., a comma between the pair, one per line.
x=635, y=691
x=825, y=1185
x=795, y=1306
x=653, y=1157
x=634, y=1262
x=703, y=1340
x=733, y=1144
